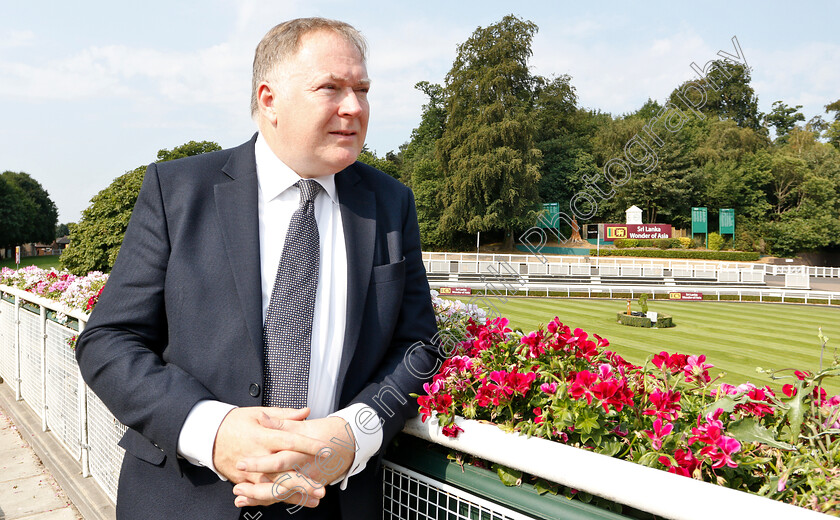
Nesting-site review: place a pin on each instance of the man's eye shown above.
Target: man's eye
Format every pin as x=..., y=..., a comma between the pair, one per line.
x=328, y=87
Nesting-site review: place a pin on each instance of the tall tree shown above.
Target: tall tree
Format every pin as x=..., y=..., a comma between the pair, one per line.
x=16, y=213
x=95, y=241
x=783, y=118
x=40, y=226
x=487, y=150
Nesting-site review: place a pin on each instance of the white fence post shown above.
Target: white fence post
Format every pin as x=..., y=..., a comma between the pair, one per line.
x=83, y=420
x=18, y=378
x=43, y=335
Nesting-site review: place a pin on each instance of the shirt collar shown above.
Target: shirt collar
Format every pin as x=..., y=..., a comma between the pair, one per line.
x=275, y=177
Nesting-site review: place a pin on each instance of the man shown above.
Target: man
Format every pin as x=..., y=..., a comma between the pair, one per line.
x=198, y=327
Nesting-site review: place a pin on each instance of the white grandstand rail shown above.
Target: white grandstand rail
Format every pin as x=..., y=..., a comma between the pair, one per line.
x=743, y=294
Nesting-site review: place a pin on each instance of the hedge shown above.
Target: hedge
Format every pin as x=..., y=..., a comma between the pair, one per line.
x=663, y=321
x=732, y=256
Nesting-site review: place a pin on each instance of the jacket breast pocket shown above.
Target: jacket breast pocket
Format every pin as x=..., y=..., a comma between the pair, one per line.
x=388, y=272
x=142, y=448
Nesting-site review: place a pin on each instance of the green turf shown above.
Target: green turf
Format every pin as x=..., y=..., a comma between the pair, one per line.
x=44, y=262
x=735, y=337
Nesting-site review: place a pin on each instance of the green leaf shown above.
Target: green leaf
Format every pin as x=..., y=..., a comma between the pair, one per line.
x=726, y=402
x=586, y=421
x=509, y=476
x=747, y=430
x=796, y=412
x=544, y=486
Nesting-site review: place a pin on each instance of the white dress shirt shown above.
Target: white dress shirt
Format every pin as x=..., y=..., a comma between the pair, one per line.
x=278, y=200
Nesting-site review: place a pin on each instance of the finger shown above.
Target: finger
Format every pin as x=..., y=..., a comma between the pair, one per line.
x=287, y=488
x=276, y=441
x=279, y=462
x=292, y=414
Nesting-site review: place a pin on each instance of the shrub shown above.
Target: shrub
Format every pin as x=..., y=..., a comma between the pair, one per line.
x=623, y=243
x=685, y=242
x=715, y=241
x=662, y=243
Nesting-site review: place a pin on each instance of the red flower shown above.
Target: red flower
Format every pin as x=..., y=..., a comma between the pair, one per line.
x=539, y=415
x=452, y=430
x=666, y=404
x=581, y=387
x=789, y=390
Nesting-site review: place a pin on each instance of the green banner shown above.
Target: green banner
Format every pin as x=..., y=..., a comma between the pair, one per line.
x=727, y=221
x=549, y=216
x=699, y=221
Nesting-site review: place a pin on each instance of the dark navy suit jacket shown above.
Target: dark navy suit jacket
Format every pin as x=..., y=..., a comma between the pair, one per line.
x=180, y=320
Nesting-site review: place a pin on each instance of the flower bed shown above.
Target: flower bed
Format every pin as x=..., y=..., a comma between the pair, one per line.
x=565, y=385
x=74, y=292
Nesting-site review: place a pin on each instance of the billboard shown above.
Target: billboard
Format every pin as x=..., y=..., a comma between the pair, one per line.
x=455, y=291
x=638, y=231
x=685, y=296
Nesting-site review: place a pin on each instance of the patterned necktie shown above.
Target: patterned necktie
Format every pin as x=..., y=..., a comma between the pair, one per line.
x=287, y=333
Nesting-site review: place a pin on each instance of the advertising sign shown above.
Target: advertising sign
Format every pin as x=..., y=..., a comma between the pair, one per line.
x=699, y=220
x=685, y=296
x=639, y=231
x=17, y=254
x=455, y=291
x=727, y=221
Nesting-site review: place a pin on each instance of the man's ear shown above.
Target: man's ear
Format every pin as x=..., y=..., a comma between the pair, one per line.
x=266, y=99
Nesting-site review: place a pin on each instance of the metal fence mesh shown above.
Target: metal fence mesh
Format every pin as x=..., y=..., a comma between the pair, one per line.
x=7, y=341
x=104, y=431
x=63, y=388
x=30, y=361
x=409, y=495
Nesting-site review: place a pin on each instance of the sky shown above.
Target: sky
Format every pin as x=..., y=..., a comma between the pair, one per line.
x=92, y=89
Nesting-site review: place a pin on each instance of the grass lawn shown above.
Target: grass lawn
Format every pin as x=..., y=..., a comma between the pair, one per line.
x=735, y=337
x=44, y=262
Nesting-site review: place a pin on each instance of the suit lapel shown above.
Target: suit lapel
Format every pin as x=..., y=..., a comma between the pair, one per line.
x=237, y=206
x=358, y=216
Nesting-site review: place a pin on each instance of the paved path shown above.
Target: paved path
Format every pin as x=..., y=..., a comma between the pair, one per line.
x=27, y=490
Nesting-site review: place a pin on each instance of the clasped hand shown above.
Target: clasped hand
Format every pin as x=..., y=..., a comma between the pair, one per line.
x=275, y=455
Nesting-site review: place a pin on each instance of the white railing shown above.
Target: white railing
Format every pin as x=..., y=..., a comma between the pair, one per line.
x=666, y=263
x=39, y=365
x=760, y=294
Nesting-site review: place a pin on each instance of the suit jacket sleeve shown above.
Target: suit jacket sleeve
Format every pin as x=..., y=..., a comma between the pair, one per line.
x=121, y=352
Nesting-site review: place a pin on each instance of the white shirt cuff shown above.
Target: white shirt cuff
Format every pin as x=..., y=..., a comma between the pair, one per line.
x=366, y=426
x=198, y=434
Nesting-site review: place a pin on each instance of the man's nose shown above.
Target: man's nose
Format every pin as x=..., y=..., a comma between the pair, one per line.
x=351, y=105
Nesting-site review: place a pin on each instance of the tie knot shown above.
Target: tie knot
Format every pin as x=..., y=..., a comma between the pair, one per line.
x=308, y=190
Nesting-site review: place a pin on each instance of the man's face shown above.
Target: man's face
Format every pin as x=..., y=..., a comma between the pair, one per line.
x=320, y=115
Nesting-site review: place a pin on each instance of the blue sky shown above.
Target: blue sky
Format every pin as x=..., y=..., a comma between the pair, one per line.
x=92, y=89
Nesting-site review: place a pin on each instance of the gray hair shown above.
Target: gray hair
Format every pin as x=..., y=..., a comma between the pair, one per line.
x=283, y=41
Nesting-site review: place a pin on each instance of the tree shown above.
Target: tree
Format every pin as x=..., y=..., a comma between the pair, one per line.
x=382, y=164
x=16, y=212
x=95, y=241
x=783, y=118
x=487, y=150
x=62, y=230
x=729, y=95
x=832, y=133
x=40, y=225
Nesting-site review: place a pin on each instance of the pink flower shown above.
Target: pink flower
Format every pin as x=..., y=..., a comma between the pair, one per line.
x=549, y=388
x=696, y=369
x=539, y=415
x=659, y=432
